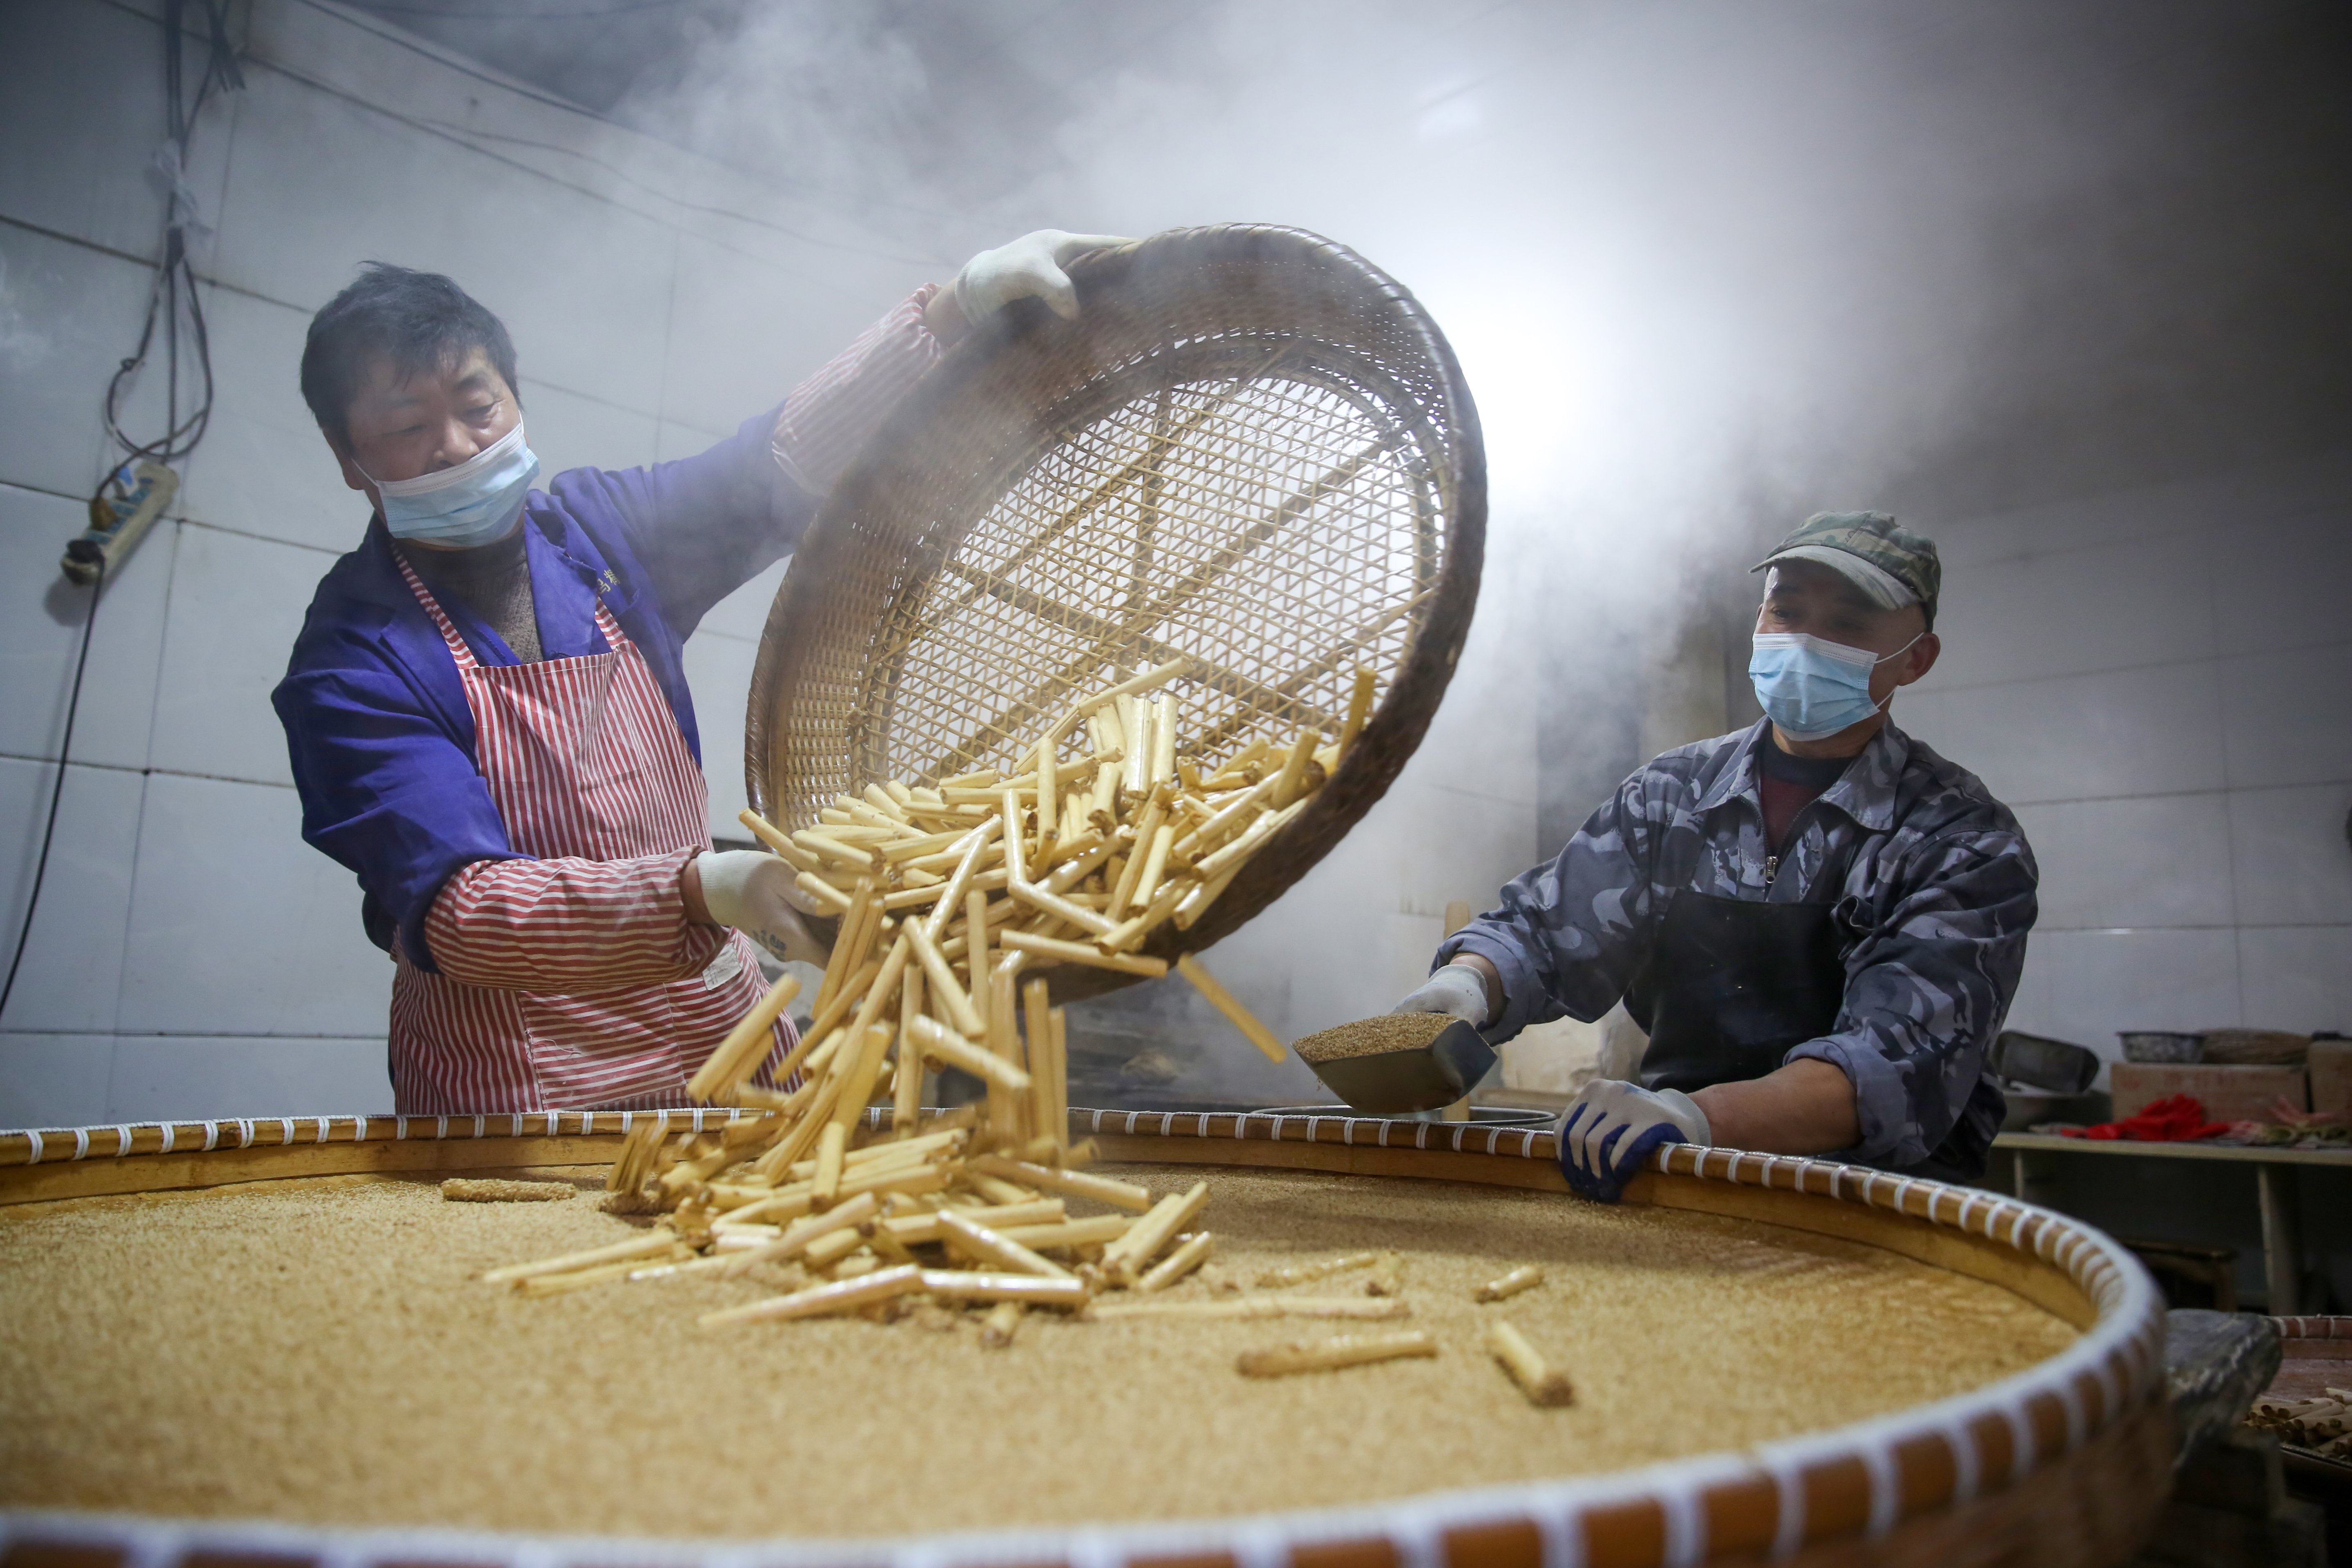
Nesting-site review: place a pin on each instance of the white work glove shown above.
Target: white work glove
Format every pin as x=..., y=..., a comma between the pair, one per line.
x=1609, y=1130
x=1028, y=267
x=759, y=895
x=1456, y=990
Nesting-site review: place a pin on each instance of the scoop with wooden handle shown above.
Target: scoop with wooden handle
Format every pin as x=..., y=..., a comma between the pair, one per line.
x=1379, y=1068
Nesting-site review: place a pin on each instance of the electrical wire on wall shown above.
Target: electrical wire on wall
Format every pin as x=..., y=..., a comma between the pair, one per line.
x=141, y=482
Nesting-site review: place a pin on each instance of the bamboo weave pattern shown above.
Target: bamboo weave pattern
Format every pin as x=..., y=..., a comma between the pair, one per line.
x=1252, y=451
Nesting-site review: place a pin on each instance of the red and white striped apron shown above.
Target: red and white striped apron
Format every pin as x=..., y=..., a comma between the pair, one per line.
x=584, y=759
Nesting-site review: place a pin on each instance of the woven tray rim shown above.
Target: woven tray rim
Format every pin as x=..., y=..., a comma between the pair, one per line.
x=2312, y=1326
x=1397, y=723
x=1871, y=1468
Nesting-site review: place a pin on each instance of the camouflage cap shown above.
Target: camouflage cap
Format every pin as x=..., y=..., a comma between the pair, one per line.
x=1886, y=560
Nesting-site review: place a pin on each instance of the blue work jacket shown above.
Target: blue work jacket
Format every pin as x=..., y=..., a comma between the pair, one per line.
x=377, y=724
x=1933, y=888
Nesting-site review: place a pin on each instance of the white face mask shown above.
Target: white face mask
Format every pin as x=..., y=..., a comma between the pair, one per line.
x=473, y=504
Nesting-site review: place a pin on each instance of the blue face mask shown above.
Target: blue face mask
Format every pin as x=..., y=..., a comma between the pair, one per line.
x=473, y=504
x=1812, y=688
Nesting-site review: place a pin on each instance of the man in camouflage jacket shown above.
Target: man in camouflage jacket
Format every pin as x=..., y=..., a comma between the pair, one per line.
x=1927, y=882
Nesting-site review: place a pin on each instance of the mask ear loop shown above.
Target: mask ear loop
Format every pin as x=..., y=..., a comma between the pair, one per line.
x=1898, y=653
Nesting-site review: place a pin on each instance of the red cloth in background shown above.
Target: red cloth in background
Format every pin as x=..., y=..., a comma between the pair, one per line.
x=2176, y=1119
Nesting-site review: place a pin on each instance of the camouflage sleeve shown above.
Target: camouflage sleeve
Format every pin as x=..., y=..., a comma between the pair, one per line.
x=1928, y=987
x=1568, y=932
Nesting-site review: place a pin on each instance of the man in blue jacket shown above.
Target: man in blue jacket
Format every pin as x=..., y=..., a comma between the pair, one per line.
x=1819, y=920
x=488, y=711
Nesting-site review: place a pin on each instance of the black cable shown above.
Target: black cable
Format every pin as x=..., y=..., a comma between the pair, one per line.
x=175, y=294
x=171, y=298
x=56, y=792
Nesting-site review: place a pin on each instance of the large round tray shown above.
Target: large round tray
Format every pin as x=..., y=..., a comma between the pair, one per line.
x=2067, y=1463
x=1252, y=449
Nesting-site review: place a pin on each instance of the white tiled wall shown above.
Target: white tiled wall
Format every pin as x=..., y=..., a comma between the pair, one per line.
x=190, y=955
x=41, y=629
x=2160, y=684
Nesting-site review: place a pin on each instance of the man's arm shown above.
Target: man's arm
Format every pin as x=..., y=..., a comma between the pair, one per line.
x=1926, y=988
x=706, y=525
x=571, y=926
x=828, y=417
x=1804, y=1108
x=703, y=526
x=392, y=795
x=386, y=790
x=1566, y=934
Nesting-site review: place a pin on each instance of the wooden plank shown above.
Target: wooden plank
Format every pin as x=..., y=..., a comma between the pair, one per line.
x=2041, y=1142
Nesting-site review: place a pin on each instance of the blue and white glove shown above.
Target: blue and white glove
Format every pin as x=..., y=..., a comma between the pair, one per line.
x=1610, y=1128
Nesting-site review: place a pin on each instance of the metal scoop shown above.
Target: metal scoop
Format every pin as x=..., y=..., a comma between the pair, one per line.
x=1421, y=1077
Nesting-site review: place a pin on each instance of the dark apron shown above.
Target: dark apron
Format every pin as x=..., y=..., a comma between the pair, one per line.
x=1731, y=987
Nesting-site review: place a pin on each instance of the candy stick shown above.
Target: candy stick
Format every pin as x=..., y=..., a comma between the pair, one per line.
x=848, y=1217
x=907, y=1091
x=1080, y=952
x=951, y=903
x=1003, y=1321
x=1190, y=1254
x=939, y=1041
x=1165, y=1218
x=1345, y=1349
x=946, y=991
x=1527, y=1277
x=737, y=1055
x=831, y=1145
x=1301, y=1273
x=1225, y=1001
x=841, y=1297
x=969, y=1235
x=1069, y=1184
x=1544, y=1387
x=1036, y=1289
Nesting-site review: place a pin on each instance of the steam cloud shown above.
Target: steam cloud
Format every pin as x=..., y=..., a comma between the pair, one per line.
x=1709, y=265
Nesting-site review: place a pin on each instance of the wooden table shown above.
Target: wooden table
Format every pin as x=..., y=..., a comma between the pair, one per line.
x=2274, y=1182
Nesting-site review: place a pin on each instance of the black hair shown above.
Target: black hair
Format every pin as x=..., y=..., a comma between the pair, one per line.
x=421, y=320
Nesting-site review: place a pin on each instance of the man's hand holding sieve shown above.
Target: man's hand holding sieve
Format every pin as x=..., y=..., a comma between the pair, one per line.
x=1028, y=267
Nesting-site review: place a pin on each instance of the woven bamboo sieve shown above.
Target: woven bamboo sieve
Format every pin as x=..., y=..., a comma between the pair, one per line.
x=1251, y=451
